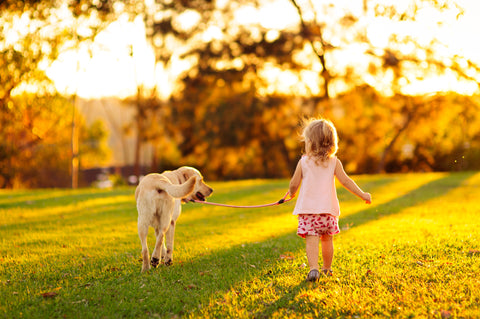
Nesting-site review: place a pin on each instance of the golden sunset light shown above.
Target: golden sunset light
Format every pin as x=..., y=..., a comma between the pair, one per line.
x=145, y=85
x=110, y=69
x=295, y=159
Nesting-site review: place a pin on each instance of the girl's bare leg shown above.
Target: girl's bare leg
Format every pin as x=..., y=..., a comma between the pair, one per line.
x=327, y=251
x=312, y=243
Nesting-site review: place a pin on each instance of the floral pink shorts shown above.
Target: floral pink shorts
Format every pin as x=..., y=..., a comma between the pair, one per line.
x=317, y=225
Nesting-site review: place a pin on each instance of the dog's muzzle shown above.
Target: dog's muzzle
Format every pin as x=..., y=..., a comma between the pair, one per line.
x=200, y=196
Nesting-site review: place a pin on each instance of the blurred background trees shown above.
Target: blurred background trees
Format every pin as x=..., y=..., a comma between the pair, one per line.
x=239, y=82
x=36, y=122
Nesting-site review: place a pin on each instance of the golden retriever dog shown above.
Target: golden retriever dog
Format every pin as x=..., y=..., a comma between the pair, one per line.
x=159, y=198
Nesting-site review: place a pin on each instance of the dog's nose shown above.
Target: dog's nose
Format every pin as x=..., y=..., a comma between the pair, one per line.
x=211, y=190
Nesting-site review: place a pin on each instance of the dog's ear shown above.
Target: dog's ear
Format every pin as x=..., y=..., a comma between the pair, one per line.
x=184, y=175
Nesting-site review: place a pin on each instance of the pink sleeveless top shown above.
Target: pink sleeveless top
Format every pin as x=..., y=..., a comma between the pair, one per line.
x=317, y=192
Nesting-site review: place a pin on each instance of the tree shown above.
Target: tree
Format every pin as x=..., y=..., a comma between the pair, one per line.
x=22, y=53
x=224, y=98
x=39, y=142
x=403, y=60
x=407, y=62
x=32, y=35
x=165, y=33
x=312, y=32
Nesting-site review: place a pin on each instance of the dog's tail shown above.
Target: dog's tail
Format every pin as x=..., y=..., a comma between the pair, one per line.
x=181, y=190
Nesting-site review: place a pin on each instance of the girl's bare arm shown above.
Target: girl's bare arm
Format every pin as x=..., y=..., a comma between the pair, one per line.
x=296, y=180
x=349, y=184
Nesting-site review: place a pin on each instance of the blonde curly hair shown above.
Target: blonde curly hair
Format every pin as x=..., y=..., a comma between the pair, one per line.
x=321, y=140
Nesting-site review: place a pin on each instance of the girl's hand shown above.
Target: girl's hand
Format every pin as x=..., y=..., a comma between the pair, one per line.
x=367, y=198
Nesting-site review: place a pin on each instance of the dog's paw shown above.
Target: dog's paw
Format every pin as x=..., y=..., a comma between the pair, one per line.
x=154, y=262
x=168, y=262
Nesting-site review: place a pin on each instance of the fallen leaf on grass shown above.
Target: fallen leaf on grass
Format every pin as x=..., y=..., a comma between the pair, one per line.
x=287, y=256
x=49, y=294
x=473, y=252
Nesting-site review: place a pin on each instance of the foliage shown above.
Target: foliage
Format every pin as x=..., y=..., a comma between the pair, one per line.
x=93, y=145
x=404, y=133
x=412, y=253
x=34, y=140
x=20, y=65
x=228, y=114
x=35, y=143
x=224, y=104
x=239, y=134
x=231, y=119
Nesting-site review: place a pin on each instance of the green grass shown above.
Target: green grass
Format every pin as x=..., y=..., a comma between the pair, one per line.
x=415, y=252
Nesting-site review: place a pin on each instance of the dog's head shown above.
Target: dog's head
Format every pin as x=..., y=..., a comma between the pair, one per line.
x=201, y=190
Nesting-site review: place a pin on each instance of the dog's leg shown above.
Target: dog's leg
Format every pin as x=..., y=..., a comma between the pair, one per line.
x=164, y=252
x=142, y=233
x=169, y=239
x=165, y=214
x=170, y=235
x=157, y=251
x=159, y=246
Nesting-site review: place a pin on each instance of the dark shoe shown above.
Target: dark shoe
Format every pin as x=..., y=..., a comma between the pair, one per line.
x=313, y=275
x=327, y=272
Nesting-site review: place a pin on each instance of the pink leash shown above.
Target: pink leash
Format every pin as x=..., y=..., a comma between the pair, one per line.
x=281, y=201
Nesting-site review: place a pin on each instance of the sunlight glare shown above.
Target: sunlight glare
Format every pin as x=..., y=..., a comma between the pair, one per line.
x=187, y=20
x=112, y=69
x=98, y=71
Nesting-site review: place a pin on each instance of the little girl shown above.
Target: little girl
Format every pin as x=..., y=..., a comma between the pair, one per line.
x=317, y=205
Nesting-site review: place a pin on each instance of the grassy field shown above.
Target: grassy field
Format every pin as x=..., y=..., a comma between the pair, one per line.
x=415, y=252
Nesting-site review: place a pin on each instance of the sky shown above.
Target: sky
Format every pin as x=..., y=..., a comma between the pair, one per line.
x=109, y=70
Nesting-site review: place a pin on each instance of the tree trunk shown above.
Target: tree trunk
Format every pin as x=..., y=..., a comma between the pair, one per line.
x=74, y=145
x=386, y=151
x=309, y=32
x=138, y=147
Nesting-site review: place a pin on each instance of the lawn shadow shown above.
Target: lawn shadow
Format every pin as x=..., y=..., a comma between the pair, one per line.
x=58, y=197
x=97, y=217
x=177, y=290
x=211, y=276
x=283, y=302
x=193, y=283
x=428, y=191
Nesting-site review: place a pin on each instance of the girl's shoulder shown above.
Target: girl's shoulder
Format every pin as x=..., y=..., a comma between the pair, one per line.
x=333, y=161
x=304, y=158
x=313, y=161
